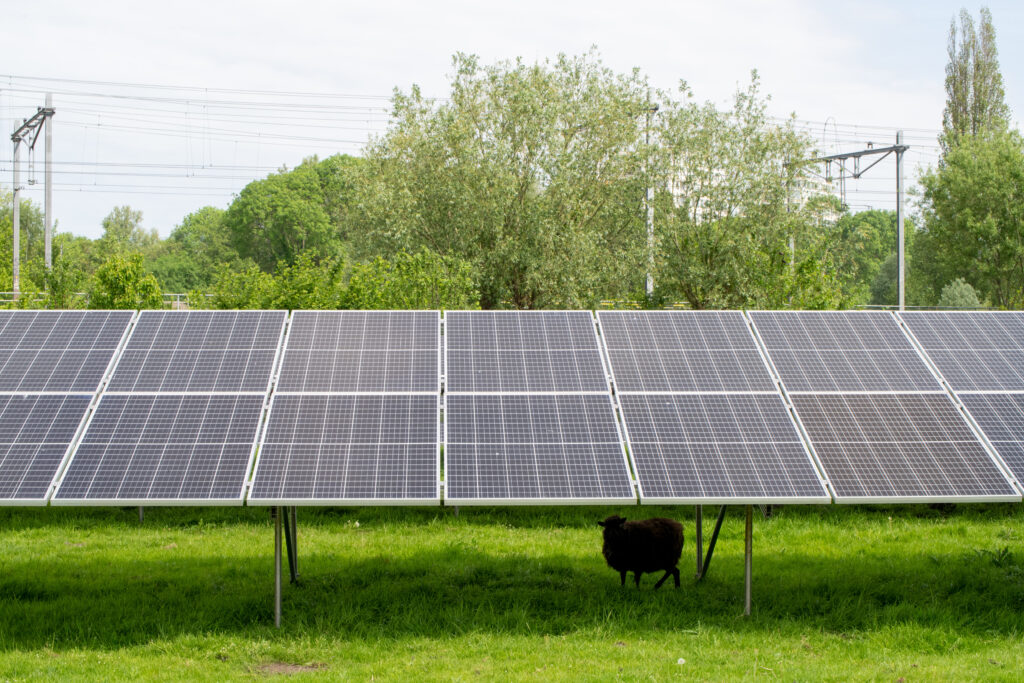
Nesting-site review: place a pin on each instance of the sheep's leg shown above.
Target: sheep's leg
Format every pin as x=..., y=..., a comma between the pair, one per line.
x=662, y=579
x=676, y=575
x=622, y=577
x=636, y=578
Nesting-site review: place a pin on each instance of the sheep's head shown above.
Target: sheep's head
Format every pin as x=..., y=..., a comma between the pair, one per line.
x=613, y=522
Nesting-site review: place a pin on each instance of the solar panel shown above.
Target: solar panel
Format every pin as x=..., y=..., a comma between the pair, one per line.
x=362, y=351
x=58, y=351
x=718, y=448
x=163, y=450
x=974, y=350
x=35, y=435
x=200, y=351
x=1001, y=418
x=816, y=351
x=522, y=351
x=524, y=449
x=365, y=449
x=683, y=351
x=899, y=448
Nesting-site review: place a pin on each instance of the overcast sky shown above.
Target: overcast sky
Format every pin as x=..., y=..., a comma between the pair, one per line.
x=852, y=73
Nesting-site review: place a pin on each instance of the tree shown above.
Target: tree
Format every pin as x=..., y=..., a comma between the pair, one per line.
x=973, y=206
x=974, y=84
x=412, y=281
x=123, y=233
x=121, y=282
x=959, y=294
x=725, y=238
x=291, y=212
x=533, y=173
x=189, y=258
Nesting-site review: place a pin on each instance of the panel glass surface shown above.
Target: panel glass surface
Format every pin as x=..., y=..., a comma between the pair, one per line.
x=974, y=350
x=683, y=351
x=35, y=434
x=533, y=448
x=1001, y=418
x=58, y=351
x=337, y=448
x=842, y=351
x=362, y=351
x=522, y=351
x=694, y=447
x=200, y=351
x=898, y=447
x=142, y=448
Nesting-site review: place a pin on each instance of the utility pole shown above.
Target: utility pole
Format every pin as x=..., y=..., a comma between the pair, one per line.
x=48, y=202
x=898, y=149
x=649, y=199
x=28, y=132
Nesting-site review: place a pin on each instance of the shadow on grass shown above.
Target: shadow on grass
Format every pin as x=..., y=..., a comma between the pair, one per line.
x=77, y=601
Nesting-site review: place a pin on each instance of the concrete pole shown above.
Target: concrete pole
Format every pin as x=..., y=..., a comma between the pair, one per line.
x=899, y=219
x=16, y=221
x=48, y=202
x=748, y=552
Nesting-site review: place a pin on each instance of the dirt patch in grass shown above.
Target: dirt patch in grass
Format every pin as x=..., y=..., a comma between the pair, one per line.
x=283, y=668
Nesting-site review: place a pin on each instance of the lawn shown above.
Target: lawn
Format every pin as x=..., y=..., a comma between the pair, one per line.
x=839, y=593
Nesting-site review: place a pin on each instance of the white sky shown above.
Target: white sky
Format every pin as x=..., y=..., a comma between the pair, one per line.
x=866, y=68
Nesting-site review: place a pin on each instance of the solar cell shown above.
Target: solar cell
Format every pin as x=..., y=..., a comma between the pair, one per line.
x=58, y=351
x=344, y=449
x=899, y=448
x=517, y=448
x=816, y=351
x=362, y=351
x=200, y=351
x=718, y=448
x=522, y=351
x=153, y=450
x=35, y=435
x=1001, y=418
x=683, y=351
x=973, y=350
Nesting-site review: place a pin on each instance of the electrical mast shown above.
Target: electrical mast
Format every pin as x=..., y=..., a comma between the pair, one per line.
x=28, y=132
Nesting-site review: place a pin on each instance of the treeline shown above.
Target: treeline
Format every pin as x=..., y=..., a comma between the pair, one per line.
x=528, y=187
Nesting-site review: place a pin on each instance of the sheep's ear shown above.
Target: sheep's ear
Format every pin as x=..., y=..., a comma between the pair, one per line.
x=622, y=520
x=600, y=523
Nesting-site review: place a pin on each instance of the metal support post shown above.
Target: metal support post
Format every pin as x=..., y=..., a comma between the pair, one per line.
x=48, y=197
x=276, y=512
x=141, y=516
x=16, y=222
x=295, y=545
x=748, y=548
x=699, y=540
x=899, y=217
x=289, y=544
x=712, y=542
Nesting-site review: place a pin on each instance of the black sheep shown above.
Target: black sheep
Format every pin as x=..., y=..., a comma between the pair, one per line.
x=649, y=545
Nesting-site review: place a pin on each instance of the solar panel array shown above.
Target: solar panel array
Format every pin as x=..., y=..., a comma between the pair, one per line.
x=51, y=364
x=878, y=420
x=528, y=416
x=355, y=419
x=179, y=420
x=703, y=415
x=980, y=354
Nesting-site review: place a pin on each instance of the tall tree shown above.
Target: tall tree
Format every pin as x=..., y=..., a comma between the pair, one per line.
x=974, y=84
x=534, y=173
x=123, y=233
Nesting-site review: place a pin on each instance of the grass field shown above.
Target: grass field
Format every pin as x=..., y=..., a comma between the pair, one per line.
x=398, y=594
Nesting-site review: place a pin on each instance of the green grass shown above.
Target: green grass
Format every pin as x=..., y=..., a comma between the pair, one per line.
x=839, y=593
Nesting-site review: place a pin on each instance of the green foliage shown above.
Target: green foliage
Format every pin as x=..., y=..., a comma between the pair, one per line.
x=861, y=243
x=412, y=281
x=123, y=233
x=532, y=173
x=235, y=288
x=974, y=85
x=973, y=207
x=121, y=282
x=190, y=257
x=724, y=241
x=64, y=282
x=292, y=212
x=959, y=294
